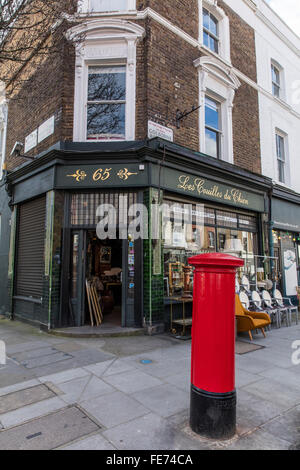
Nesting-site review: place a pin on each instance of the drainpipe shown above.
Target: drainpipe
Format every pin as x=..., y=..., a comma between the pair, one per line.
x=271, y=240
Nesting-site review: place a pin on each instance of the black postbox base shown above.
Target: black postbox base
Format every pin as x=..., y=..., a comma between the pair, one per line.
x=213, y=415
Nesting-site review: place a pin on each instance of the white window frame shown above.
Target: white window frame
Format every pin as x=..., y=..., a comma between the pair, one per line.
x=210, y=34
x=219, y=130
x=223, y=29
x=284, y=136
x=280, y=69
x=219, y=82
x=107, y=42
x=103, y=64
x=3, y=131
x=85, y=7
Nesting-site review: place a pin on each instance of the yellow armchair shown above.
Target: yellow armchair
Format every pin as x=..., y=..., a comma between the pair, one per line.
x=249, y=321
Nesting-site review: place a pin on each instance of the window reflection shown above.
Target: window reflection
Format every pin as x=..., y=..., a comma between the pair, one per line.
x=106, y=103
x=191, y=229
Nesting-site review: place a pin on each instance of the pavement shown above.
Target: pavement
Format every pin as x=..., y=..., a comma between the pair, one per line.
x=132, y=393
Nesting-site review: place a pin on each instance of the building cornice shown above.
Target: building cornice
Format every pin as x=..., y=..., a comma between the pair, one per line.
x=64, y=153
x=278, y=33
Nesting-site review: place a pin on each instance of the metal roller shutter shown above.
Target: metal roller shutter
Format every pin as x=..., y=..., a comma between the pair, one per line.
x=30, y=249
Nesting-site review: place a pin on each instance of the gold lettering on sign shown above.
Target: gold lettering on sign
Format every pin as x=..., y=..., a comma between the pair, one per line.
x=190, y=184
x=80, y=175
x=101, y=175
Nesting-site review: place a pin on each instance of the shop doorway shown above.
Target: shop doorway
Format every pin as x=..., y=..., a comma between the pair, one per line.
x=108, y=265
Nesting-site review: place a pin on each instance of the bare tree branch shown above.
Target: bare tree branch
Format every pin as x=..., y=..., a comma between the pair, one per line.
x=28, y=29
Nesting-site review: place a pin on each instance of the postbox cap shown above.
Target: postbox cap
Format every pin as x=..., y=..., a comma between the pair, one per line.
x=216, y=259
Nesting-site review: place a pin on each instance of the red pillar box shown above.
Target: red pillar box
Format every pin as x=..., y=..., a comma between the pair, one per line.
x=213, y=395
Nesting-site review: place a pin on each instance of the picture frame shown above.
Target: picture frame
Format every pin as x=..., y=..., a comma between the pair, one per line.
x=105, y=254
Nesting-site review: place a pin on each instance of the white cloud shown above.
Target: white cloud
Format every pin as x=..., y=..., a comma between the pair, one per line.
x=289, y=10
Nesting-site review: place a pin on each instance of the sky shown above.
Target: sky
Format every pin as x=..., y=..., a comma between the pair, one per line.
x=289, y=10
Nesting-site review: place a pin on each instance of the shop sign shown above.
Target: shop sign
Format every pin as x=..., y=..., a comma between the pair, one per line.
x=91, y=176
x=31, y=141
x=156, y=130
x=204, y=188
x=286, y=215
x=46, y=129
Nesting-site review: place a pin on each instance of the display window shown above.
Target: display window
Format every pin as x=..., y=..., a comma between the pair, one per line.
x=191, y=229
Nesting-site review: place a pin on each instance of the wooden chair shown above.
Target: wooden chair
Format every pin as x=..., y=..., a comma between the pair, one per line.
x=249, y=321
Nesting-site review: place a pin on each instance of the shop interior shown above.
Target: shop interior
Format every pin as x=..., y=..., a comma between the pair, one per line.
x=208, y=230
x=103, y=272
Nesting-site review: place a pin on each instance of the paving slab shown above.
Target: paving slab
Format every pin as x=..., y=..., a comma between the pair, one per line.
x=286, y=426
x=12, y=374
x=45, y=360
x=28, y=346
x=33, y=353
x=285, y=376
x=69, y=347
x=244, y=378
x=18, y=386
x=118, y=367
x=163, y=368
x=132, y=381
x=283, y=395
x=18, y=399
x=96, y=442
x=98, y=368
x=114, y=409
x=55, y=367
x=150, y=432
x=48, y=432
x=27, y=413
x=181, y=381
x=253, y=410
x=84, y=388
x=64, y=376
x=164, y=400
x=90, y=356
x=260, y=440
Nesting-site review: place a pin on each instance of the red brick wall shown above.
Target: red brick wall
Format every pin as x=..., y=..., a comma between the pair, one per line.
x=167, y=81
x=172, y=82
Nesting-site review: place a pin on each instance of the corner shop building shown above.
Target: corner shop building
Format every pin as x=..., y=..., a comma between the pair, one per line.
x=54, y=247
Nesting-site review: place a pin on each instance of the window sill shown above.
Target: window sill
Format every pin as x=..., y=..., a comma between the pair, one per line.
x=207, y=50
x=105, y=13
x=284, y=185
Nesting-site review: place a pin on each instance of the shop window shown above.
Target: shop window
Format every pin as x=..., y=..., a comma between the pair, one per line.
x=212, y=127
x=106, y=103
x=103, y=6
x=281, y=159
x=204, y=230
